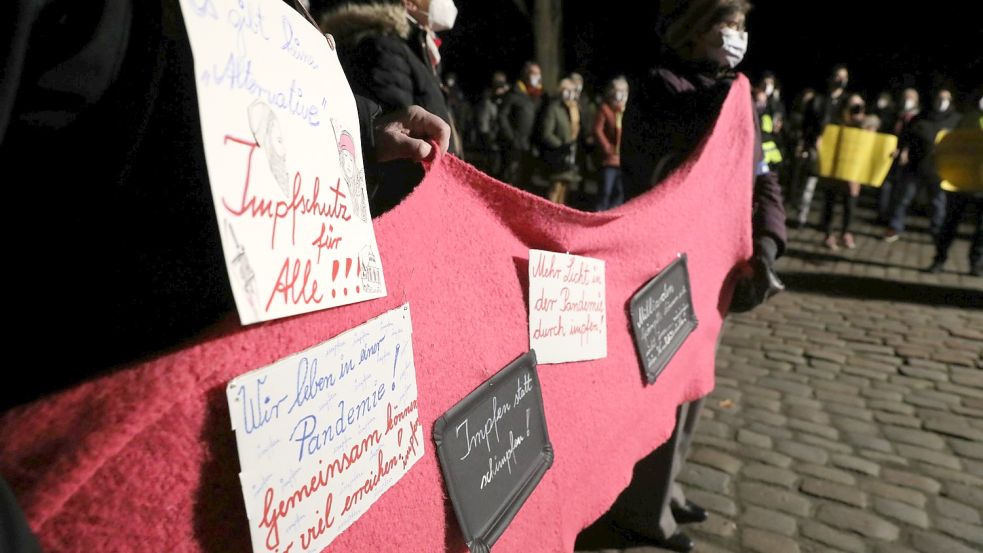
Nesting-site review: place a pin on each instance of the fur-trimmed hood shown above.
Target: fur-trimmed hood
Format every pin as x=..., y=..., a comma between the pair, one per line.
x=350, y=23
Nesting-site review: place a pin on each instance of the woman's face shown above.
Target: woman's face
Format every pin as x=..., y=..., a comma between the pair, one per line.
x=712, y=39
x=854, y=109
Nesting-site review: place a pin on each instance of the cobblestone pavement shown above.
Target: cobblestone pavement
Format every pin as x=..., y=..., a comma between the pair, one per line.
x=848, y=413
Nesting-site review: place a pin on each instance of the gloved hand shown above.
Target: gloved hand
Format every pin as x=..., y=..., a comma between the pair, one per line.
x=757, y=287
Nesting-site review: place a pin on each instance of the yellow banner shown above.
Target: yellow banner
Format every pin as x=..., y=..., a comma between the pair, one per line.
x=851, y=154
x=959, y=160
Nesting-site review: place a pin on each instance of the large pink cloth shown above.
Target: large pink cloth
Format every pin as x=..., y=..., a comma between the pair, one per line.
x=144, y=459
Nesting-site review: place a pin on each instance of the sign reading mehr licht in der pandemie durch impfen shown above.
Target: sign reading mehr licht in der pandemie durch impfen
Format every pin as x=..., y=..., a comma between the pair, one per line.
x=567, y=307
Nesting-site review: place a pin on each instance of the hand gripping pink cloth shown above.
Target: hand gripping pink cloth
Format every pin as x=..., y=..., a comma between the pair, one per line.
x=144, y=459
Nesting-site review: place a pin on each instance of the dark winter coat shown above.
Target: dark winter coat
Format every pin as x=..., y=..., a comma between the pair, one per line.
x=672, y=109
x=385, y=58
x=558, y=142
x=516, y=119
x=919, y=138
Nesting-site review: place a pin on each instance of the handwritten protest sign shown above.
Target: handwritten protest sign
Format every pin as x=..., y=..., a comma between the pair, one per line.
x=324, y=433
x=662, y=317
x=282, y=144
x=567, y=317
x=858, y=155
x=959, y=159
x=494, y=449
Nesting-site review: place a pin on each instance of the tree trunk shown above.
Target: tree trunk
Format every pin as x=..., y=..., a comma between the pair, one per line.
x=548, y=31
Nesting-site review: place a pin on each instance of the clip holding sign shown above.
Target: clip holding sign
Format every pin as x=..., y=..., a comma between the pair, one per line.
x=494, y=449
x=662, y=316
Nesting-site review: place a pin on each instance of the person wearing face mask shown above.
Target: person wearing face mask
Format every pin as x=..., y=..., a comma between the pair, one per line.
x=558, y=135
x=587, y=162
x=769, y=123
x=390, y=54
x=823, y=110
x=917, y=144
x=607, y=134
x=892, y=190
x=516, y=119
x=673, y=107
x=887, y=112
x=486, y=119
x=957, y=204
x=853, y=114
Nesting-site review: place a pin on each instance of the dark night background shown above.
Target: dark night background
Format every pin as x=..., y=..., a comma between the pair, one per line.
x=885, y=44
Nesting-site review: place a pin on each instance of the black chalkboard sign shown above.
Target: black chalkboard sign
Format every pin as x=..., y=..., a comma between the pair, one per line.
x=662, y=317
x=494, y=449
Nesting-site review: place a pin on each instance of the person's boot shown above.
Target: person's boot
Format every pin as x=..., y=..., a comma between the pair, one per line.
x=688, y=513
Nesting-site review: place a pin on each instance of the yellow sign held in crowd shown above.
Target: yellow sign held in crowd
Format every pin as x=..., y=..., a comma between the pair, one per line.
x=959, y=160
x=851, y=154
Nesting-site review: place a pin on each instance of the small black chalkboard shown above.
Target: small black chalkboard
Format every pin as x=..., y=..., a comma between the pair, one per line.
x=662, y=317
x=494, y=449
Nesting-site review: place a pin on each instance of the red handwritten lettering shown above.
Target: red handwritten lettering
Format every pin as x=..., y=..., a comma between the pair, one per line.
x=323, y=523
x=251, y=205
x=274, y=510
x=286, y=284
x=325, y=240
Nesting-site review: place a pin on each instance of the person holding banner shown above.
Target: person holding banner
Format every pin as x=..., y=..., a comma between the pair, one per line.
x=147, y=269
x=391, y=55
x=852, y=115
x=673, y=107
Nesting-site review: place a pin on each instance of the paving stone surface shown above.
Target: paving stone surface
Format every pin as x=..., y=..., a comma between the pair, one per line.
x=849, y=414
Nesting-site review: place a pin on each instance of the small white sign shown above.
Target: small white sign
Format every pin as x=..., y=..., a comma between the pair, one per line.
x=567, y=307
x=282, y=144
x=324, y=433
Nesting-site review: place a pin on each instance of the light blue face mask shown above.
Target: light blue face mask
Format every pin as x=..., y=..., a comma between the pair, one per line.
x=733, y=49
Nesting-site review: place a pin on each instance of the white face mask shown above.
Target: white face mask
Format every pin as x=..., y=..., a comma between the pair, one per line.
x=981, y=103
x=442, y=15
x=910, y=104
x=942, y=104
x=535, y=80
x=569, y=95
x=769, y=88
x=621, y=96
x=882, y=103
x=733, y=50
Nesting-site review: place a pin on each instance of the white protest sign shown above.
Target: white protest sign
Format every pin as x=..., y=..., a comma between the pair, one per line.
x=282, y=144
x=324, y=433
x=567, y=307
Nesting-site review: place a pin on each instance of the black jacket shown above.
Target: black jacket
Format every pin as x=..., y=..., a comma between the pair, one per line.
x=516, y=119
x=919, y=138
x=385, y=58
x=122, y=255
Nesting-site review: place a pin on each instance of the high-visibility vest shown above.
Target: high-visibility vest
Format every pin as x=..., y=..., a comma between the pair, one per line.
x=768, y=145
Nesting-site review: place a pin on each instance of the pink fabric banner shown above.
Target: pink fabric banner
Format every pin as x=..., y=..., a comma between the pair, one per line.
x=144, y=459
